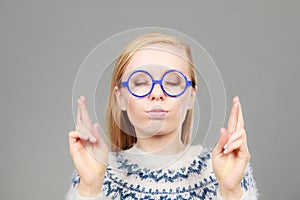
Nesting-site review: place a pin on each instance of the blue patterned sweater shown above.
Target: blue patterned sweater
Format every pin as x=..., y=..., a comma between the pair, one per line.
x=132, y=174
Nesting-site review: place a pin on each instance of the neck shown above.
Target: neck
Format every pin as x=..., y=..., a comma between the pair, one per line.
x=168, y=143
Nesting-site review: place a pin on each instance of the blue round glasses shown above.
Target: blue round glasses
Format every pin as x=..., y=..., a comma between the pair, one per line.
x=140, y=83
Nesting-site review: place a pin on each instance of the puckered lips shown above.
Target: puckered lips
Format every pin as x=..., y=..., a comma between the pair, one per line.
x=157, y=113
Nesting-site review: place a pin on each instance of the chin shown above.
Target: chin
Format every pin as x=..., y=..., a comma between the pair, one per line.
x=156, y=128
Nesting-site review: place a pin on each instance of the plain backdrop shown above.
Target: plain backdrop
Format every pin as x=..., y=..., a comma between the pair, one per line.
x=255, y=45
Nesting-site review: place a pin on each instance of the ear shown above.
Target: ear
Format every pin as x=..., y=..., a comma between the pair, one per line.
x=120, y=99
x=192, y=97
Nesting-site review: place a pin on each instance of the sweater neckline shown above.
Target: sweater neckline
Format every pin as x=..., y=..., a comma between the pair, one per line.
x=135, y=149
x=136, y=157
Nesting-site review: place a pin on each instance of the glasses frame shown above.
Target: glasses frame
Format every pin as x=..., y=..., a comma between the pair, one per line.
x=187, y=83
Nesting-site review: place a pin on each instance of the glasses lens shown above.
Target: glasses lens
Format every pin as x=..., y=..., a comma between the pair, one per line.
x=140, y=83
x=174, y=83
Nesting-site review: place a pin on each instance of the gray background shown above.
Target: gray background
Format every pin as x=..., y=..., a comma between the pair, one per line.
x=255, y=45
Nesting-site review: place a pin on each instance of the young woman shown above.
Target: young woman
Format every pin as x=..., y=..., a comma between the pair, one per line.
x=149, y=121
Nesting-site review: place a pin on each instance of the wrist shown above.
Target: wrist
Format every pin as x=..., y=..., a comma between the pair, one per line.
x=232, y=194
x=91, y=187
x=90, y=190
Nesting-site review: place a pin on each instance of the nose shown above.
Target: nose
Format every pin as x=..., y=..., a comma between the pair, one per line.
x=157, y=93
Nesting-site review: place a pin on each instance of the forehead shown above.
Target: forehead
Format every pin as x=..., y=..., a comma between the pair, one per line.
x=157, y=59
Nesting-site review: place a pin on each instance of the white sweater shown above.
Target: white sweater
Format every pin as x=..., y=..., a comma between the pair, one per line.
x=133, y=174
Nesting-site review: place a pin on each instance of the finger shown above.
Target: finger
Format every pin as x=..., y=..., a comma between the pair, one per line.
x=73, y=136
x=74, y=143
x=85, y=117
x=237, y=135
x=96, y=133
x=78, y=117
x=240, y=116
x=232, y=121
x=244, y=147
x=85, y=131
x=221, y=141
x=233, y=146
x=235, y=99
x=239, y=126
x=83, y=136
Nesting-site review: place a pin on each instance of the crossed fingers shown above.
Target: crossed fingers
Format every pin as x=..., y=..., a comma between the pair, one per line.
x=235, y=129
x=83, y=121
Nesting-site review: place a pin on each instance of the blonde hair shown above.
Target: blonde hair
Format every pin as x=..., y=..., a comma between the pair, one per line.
x=119, y=138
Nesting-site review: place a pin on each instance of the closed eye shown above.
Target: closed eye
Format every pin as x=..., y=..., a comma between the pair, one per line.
x=141, y=83
x=171, y=83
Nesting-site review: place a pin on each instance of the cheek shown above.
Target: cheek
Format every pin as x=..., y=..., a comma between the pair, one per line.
x=182, y=107
x=135, y=108
x=136, y=112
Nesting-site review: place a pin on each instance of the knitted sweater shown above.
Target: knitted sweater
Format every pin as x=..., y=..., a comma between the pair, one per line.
x=133, y=174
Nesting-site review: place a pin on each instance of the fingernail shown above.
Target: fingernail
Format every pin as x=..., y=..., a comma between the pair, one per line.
x=93, y=139
x=226, y=146
x=235, y=99
x=222, y=129
x=82, y=135
x=225, y=151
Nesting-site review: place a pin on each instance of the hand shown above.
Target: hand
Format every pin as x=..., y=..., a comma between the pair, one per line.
x=88, y=151
x=231, y=155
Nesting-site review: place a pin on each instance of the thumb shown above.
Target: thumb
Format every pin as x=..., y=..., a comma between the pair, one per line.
x=221, y=141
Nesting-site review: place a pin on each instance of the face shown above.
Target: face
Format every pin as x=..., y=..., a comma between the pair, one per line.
x=156, y=113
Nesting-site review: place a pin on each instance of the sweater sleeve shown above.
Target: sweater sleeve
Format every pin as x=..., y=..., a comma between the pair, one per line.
x=248, y=184
x=73, y=193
